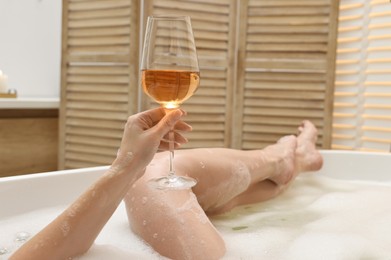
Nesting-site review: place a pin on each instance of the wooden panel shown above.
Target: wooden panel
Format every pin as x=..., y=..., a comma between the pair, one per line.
x=28, y=142
x=99, y=85
x=285, y=69
x=265, y=66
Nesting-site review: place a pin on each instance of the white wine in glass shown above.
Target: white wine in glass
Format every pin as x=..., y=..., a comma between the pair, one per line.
x=170, y=75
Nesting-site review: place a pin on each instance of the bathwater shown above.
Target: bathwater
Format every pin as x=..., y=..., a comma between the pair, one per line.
x=316, y=218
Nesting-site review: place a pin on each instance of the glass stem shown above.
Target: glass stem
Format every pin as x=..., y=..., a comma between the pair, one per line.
x=171, y=146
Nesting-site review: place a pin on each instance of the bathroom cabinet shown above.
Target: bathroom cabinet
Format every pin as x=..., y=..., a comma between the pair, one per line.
x=28, y=140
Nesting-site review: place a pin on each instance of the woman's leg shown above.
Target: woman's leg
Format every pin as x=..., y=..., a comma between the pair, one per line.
x=305, y=159
x=171, y=221
x=174, y=223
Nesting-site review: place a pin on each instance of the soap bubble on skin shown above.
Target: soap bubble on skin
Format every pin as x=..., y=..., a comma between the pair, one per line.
x=65, y=228
x=122, y=162
x=73, y=210
x=202, y=165
x=192, y=205
x=237, y=181
x=17, y=229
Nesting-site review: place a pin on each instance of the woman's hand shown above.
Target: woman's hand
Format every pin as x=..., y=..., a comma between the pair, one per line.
x=88, y=214
x=147, y=132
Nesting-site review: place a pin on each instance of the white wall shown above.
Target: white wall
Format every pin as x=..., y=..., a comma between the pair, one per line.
x=30, y=46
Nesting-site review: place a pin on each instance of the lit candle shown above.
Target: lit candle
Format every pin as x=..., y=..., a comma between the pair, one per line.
x=3, y=83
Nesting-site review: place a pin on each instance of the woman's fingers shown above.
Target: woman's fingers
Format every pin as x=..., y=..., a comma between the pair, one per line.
x=164, y=146
x=178, y=140
x=168, y=122
x=152, y=116
x=182, y=126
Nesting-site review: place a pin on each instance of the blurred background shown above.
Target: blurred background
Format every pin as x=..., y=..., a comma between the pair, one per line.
x=265, y=66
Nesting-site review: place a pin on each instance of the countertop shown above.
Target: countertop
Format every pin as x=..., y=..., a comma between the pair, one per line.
x=29, y=103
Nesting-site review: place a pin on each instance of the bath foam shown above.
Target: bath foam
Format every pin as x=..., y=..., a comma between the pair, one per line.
x=316, y=218
x=116, y=241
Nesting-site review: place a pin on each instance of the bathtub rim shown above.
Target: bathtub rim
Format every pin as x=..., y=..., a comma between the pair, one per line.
x=356, y=165
x=48, y=189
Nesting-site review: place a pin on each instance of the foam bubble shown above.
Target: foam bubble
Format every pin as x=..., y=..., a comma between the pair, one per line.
x=22, y=236
x=65, y=228
x=202, y=165
x=144, y=200
x=316, y=218
x=3, y=250
x=121, y=162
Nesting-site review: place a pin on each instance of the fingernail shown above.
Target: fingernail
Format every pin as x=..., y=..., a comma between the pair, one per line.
x=183, y=112
x=178, y=114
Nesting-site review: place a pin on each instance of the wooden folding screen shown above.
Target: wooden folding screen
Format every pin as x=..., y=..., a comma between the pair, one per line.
x=286, y=69
x=99, y=85
x=263, y=70
x=265, y=66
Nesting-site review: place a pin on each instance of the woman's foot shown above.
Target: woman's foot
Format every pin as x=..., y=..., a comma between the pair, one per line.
x=291, y=156
x=307, y=157
x=279, y=160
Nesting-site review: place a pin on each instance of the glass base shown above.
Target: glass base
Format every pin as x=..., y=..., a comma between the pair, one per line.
x=173, y=183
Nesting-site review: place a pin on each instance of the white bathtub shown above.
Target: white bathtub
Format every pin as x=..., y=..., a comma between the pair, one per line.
x=23, y=194
x=357, y=165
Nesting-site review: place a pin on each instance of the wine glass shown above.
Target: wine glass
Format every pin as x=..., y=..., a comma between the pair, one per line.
x=170, y=75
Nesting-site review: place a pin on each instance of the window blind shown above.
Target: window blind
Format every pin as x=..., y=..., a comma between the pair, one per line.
x=362, y=107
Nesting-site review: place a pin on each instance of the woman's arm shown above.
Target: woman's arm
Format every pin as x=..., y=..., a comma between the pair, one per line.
x=73, y=232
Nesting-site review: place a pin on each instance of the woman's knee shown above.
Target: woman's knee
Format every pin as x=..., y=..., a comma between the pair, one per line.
x=173, y=223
